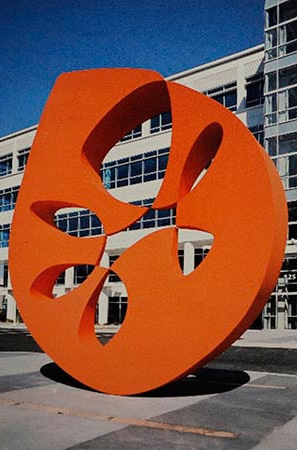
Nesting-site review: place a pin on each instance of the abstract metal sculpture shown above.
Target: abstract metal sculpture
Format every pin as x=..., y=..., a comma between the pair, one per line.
x=175, y=322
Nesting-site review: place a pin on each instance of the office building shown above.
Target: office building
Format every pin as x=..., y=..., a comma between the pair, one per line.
x=259, y=85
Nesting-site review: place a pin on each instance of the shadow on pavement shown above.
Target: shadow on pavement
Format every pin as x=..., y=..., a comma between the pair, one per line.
x=205, y=381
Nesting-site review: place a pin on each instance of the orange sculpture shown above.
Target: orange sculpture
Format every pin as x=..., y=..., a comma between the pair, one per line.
x=175, y=323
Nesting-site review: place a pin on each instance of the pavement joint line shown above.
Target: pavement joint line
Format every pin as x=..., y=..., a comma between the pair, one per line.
x=248, y=385
x=129, y=421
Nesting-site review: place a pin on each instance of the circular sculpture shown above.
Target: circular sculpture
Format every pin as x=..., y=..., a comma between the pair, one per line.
x=175, y=323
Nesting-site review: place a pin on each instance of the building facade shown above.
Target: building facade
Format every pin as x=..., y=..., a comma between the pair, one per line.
x=259, y=85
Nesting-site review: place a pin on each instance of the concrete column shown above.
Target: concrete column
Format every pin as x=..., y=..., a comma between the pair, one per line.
x=15, y=161
x=282, y=313
x=11, y=309
x=146, y=128
x=240, y=88
x=189, y=257
x=103, y=307
x=69, y=277
x=104, y=260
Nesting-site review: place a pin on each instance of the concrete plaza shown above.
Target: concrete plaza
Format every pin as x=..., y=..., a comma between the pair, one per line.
x=43, y=408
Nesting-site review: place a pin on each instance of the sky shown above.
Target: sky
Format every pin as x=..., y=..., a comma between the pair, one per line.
x=40, y=39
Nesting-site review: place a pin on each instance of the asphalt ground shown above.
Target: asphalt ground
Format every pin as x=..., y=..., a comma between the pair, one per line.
x=244, y=400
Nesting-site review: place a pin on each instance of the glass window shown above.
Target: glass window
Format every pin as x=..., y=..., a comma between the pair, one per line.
x=293, y=165
x=6, y=165
x=288, y=143
x=270, y=109
x=292, y=103
x=8, y=198
x=271, y=16
x=80, y=224
x=133, y=134
x=226, y=95
x=155, y=123
x=81, y=273
x=113, y=277
x=108, y=177
x=181, y=255
x=150, y=169
x=271, y=81
x=136, y=169
x=3, y=274
x=288, y=38
x=161, y=122
x=164, y=217
x=271, y=38
x=23, y=158
x=136, y=172
x=61, y=279
x=287, y=104
x=4, y=235
x=258, y=132
x=288, y=76
x=271, y=145
x=153, y=218
x=287, y=10
x=255, y=90
x=122, y=175
x=231, y=99
x=149, y=219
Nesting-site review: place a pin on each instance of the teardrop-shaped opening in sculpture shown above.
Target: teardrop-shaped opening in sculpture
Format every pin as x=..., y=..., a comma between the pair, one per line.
x=201, y=157
x=126, y=166
x=70, y=279
x=59, y=288
x=111, y=308
x=193, y=247
x=78, y=222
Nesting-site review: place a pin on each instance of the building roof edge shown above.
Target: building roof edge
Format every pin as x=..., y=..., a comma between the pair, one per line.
x=216, y=62
x=18, y=133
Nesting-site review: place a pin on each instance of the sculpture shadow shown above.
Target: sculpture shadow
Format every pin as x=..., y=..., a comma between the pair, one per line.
x=205, y=381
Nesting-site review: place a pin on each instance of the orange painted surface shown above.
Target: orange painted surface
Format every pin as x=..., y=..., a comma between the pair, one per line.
x=174, y=322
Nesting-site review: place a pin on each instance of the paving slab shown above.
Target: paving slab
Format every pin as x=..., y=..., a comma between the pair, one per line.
x=43, y=408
